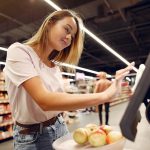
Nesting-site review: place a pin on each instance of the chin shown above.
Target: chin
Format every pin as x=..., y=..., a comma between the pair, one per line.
x=59, y=49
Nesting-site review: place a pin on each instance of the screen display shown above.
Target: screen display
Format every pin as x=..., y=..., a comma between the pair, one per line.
x=132, y=116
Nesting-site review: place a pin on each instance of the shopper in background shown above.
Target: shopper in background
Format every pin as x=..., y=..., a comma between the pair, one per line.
x=101, y=86
x=34, y=81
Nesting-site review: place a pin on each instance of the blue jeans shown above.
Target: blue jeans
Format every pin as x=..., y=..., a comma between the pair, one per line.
x=37, y=141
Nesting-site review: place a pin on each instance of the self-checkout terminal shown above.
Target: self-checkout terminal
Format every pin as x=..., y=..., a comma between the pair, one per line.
x=132, y=116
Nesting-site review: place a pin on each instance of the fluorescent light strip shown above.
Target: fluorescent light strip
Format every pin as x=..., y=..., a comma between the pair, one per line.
x=64, y=64
x=2, y=63
x=96, y=38
x=2, y=48
x=108, y=47
x=79, y=68
x=71, y=66
x=52, y=4
x=83, y=69
x=73, y=75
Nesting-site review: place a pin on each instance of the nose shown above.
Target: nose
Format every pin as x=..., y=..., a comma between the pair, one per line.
x=69, y=38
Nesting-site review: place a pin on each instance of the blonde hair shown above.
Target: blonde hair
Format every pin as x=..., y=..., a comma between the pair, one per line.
x=72, y=53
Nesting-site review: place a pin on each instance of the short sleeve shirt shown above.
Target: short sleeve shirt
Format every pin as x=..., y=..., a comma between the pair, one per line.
x=23, y=63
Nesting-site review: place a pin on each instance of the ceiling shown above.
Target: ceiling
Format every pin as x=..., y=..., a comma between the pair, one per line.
x=123, y=24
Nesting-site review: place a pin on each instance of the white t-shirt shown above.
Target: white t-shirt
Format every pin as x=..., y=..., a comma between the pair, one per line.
x=23, y=63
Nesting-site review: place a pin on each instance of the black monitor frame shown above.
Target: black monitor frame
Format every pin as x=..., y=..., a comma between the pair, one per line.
x=132, y=115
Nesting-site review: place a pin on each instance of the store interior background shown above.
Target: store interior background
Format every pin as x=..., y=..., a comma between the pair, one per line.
x=123, y=24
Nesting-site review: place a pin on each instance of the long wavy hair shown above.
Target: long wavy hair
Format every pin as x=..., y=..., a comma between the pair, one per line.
x=72, y=53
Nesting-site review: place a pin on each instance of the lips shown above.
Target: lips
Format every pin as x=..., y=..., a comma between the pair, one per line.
x=65, y=43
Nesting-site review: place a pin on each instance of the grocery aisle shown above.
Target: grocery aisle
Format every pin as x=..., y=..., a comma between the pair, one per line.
x=116, y=112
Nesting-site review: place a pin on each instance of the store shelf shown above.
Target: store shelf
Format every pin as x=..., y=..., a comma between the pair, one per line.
x=5, y=112
x=5, y=135
x=3, y=91
x=4, y=101
x=6, y=123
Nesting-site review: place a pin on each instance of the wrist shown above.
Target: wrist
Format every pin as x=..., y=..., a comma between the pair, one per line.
x=105, y=97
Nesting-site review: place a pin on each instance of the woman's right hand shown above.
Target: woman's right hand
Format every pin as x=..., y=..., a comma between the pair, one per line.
x=115, y=88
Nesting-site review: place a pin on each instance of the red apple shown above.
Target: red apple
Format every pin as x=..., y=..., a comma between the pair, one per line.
x=113, y=136
x=106, y=128
x=97, y=138
x=80, y=136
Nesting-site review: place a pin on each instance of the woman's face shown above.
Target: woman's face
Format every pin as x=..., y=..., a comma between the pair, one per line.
x=62, y=33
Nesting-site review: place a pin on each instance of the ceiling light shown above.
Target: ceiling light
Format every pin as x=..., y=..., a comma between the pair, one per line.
x=73, y=75
x=79, y=68
x=2, y=63
x=2, y=48
x=52, y=4
x=108, y=47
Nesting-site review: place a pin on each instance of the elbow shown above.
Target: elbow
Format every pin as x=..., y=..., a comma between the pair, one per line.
x=41, y=102
x=43, y=107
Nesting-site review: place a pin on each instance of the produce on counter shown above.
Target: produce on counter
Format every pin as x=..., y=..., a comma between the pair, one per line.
x=96, y=135
x=113, y=136
x=106, y=128
x=91, y=128
x=80, y=136
x=97, y=138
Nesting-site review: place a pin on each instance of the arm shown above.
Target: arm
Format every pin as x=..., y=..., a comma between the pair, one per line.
x=64, y=101
x=60, y=101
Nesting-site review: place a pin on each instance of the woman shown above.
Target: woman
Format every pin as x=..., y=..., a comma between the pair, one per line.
x=34, y=81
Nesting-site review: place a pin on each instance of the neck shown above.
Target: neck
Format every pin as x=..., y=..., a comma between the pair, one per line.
x=43, y=55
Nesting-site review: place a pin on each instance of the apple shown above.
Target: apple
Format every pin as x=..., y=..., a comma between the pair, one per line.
x=113, y=136
x=80, y=136
x=106, y=128
x=91, y=125
x=91, y=128
x=97, y=138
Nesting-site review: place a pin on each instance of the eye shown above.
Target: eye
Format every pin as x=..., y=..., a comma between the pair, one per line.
x=67, y=30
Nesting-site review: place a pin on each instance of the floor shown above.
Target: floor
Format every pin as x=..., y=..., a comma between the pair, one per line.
x=142, y=141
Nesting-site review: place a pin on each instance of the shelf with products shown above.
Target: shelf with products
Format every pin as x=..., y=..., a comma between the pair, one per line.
x=6, y=121
x=5, y=112
x=3, y=101
x=6, y=132
x=6, y=127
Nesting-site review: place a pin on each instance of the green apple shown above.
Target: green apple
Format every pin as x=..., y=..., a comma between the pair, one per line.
x=91, y=128
x=113, y=136
x=80, y=136
x=97, y=138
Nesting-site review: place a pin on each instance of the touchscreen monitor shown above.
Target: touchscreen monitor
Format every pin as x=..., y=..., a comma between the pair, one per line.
x=132, y=116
